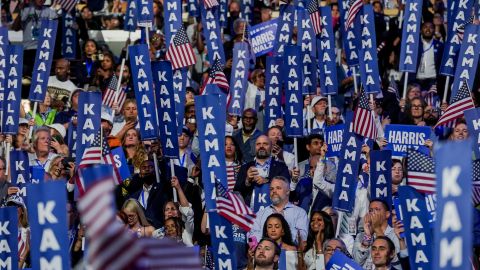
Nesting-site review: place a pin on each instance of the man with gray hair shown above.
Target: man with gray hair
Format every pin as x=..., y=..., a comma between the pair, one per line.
x=41, y=144
x=296, y=217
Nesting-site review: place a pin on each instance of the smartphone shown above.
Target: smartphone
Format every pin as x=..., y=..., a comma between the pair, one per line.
x=252, y=242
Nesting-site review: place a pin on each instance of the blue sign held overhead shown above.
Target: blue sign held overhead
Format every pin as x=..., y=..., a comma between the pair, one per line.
x=262, y=37
x=273, y=90
x=402, y=137
x=13, y=91
x=238, y=78
x=334, y=139
x=410, y=36
x=326, y=54
x=472, y=117
x=172, y=18
x=211, y=32
x=293, y=92
x=89, y=122
x=285, y=26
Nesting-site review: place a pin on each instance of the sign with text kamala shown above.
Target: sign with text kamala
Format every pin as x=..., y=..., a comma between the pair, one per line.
x=262, y=37
x=402, y=137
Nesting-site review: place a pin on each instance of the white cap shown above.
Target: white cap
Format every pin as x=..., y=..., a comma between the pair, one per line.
x=107, y=114
x=60, y=128
x=317, y=99
x=23, y=121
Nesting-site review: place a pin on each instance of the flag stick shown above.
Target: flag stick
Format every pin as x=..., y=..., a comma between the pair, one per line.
x=34, y=112
x=355, y=86
x=309, y=113
x=128, y=45
x=329, y=106
x=172, y=172
x=244, y=28
x=155, y=163
x=295, y=149
x=119, y=84
x=445, y=91
x=147, y=36
x=7, y=159
x=405, y=83
x=101, y=138
x=400, y=20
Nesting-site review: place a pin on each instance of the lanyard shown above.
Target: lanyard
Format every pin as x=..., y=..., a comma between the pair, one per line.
x=143, y=199
x=182, y=161
x=424, y=51
x=40, y=164
x=88, y=64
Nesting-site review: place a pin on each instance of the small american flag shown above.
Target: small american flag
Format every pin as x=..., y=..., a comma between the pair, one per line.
x=108, y=159
x=476, y=182
x=91, y=156
x=393, y=88
x=217, y=76
x=461, y=102
x=67, y=5
x=109, y=95
x=180, y=51
x=315, y=16
x=210, y=3
x=363, y=118
x=231, y=207
x=420, y=172
x=461, y=27
x=354, y=8
x=112, y=247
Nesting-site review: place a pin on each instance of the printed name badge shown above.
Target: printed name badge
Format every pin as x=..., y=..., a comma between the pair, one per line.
x=402, y=137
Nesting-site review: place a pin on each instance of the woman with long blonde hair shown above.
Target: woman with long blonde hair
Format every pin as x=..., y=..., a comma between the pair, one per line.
x=137, y=222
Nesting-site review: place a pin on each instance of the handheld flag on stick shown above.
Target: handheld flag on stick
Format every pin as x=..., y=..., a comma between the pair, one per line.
x=109, y=96
x=231, y=207
x=461, y=102
x=210, y=3
x=315, y=16
x=420, y=172
x=180, y=52
x=363, y=118
x=354, y=8
x=217, y=76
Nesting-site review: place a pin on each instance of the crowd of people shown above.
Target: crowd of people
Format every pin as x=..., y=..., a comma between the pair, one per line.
x=300, y=219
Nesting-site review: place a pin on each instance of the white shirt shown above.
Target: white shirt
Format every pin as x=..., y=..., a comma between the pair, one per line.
x=426, y=69
x=58, y=90
x=251, y=97
x=143, y=198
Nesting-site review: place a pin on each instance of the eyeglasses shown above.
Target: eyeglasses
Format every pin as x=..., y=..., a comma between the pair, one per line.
x=331, y=249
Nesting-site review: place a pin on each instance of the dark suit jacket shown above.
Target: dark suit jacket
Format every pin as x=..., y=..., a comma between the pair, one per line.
x=277, y=168
x=247, y=148
x=156, y=199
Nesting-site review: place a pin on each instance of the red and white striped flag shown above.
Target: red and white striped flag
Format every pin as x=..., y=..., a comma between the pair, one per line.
x=231, y=207
x=67, y=5
x=217, y=76
x=354, y=8
x=91, y=156
x=180, y=51
x=109, y=95
x=113, y=247
x=420, y=172
x=210, y=3
x=315, y=16
x=364, y=119
x=476, y=183
x=461, y=102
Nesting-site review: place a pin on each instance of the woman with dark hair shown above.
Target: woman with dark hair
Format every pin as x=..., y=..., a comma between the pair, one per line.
x=414, y=111
x=88, y=69
x=397, y=174
x=277, y=229
x=233, y=157
x=174, y=227
x=320, y=230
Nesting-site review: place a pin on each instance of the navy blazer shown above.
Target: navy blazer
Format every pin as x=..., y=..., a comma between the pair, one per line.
x=277, y=168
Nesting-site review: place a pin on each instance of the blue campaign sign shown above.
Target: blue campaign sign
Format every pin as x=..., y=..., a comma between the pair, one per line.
x=402, y=137
x=273, y=90
x=3, y=62
x=211, y=117
x=260, y=197
x=144, y=12
x=417, y=229
x=193, y=8
x=37, y=174
x=293, y=92
x=9, y=238
x=457, y=14
x=368, y=50
x=341, y=261
x=89, y=121
x=334, y=139
x=410, y=36
x=308, y=43
x=398, y=212
x=346, y=184
x=69, y=37
x=13, y=93
x=43, y=60
x=121, y=162
x=211, y=32
x=285, y=26
x=351, y=42
x=472, y=117
x=172, y=18
x=381, y=175
x=223, y=13
x=20, y=174
x=72, y=140
x=453, y=227
x=467, y=58
x=326, y=54
x=247, y=10
x=143, y=86
x=262, y=37
x=130, y=21
x=238, y=78
x=179, y=83
x=163, y=77
x=48, y=223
